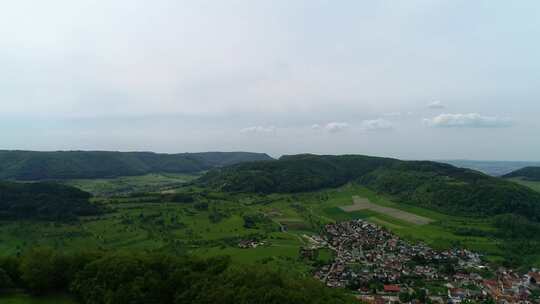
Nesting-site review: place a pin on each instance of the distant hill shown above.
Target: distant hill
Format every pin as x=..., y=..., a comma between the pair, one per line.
x=527, y=173
x=43, y=201
x=494, y=168
x=30, y=165
x=428, y=184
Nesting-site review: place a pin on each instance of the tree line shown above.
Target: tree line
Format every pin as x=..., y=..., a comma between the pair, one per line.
x=119, y=277
x=47, y=201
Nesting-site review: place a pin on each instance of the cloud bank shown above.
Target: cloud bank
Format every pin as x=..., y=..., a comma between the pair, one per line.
x=470, y=120
x=259, y=129
x=331, y=127
x=435, y=105
x=377, y=125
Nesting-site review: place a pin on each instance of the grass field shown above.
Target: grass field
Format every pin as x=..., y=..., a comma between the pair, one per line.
x=216, y=230
x=531, y=184
x=130, y=184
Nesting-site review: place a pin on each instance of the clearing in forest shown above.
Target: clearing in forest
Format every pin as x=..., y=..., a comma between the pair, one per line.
x=361, y=203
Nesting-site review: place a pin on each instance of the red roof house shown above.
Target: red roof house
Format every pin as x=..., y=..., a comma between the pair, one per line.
x=391, y=288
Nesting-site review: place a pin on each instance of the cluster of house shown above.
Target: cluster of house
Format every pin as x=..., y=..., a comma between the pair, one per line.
x=250, y=243
x=366, y=253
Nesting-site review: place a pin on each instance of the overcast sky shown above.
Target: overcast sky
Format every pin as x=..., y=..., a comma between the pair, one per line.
x=410, y=79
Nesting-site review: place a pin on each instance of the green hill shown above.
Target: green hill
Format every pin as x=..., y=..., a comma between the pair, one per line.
x=527, y=173
x=43, y=201
x=433, y=185
x=30, y=165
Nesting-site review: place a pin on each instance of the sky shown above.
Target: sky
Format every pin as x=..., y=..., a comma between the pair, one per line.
x=416, y=79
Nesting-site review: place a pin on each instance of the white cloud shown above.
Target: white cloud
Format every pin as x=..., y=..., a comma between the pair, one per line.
x=392, y=114
x=258, y=129
x=335, y=127
x=470, y=120
x=332, y=127
x=436, y=105
x=377, y=124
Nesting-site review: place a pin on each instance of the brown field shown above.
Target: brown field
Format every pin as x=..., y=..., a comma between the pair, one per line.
x=365, y=204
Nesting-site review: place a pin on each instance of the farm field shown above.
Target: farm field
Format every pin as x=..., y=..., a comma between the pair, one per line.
x=364, y=204
x=130, y=184
x=214, y=224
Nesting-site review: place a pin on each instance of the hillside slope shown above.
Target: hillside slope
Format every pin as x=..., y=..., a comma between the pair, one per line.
x=493, y=168
x=527, y=173
x=30, y=165
x=43, y=201
x=428, y=184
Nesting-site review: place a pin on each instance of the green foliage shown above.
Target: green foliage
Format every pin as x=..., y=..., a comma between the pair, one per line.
x=181, y=198
x=127, y=185
x=202, y=206
x=293, y=173
x=29, y=165
x=5, y=280
x=43, y=201
x=427, y=184
x=527, y=173
x=453, y=190
x=22, y=298
x=216, y=215
x=520, y=237
x=10, y=266
x=263, y=286
x=535, y=185
x=511, y=226
x=253, y=220
x=122, y=278
x=44, y=270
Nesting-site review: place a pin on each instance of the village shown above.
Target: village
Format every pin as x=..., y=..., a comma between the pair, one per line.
x=382, y=268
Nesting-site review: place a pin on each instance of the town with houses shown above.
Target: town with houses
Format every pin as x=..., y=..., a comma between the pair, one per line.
x=382, y=268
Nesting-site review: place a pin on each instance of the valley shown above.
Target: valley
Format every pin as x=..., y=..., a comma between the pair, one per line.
x=215, y=222
x=289, y=231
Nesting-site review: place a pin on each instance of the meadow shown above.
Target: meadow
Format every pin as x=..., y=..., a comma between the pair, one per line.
x=535, y=185
x=215, y=222
x=130, y=184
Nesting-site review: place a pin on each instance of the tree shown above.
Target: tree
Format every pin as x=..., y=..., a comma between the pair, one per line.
x=43, y=270
x=5, y=280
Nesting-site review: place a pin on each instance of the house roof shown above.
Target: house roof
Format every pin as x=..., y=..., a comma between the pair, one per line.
x=391, y=288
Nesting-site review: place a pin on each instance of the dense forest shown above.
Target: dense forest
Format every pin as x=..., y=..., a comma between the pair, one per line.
x=43, y=201
x=122, y=278
x=29, y=165
x=527, y=173
x=432, y=185
x=453, y=190
x=293, y=173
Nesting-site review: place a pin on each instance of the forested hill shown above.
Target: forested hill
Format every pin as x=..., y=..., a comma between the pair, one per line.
x=43, y=201
x=30, y=165
x=432, y=185
x=527, y=173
